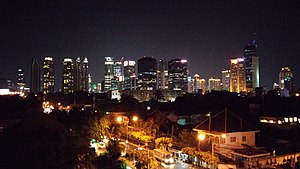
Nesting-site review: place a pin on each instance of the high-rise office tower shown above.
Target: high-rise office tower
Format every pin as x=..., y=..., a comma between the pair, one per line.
x=68, y=76
x=177, y=69
x=81, y=75
x=35, y=77
x=237, y=75
x=89, y=83
x=77, y=75
x=226, y=80
x=203, y=85
x=190, y=85
x=214, y=84
x=197, y=83
x=251, y=66
x=118, y=76
x=48, y=75
x=129, y=75
x=20, y=80
x=286, y=79
x=108, y=73
x=85, y=75
x=147, y=74
x=162, y=74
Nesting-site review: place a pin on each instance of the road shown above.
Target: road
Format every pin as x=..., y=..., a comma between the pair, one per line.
x=177, y=165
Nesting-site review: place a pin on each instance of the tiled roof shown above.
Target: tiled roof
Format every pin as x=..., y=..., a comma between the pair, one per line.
x=225, y=121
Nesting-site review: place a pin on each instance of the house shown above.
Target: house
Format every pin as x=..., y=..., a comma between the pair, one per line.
x=230, y=136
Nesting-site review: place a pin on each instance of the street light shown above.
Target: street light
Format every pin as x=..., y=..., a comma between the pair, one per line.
x=201, y=137
x=135, y=119
x=119, y=119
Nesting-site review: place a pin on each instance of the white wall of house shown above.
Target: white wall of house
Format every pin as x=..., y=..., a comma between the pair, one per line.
x=239, y=138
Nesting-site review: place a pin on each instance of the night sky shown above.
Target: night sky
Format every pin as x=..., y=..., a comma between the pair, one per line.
x=207, y=33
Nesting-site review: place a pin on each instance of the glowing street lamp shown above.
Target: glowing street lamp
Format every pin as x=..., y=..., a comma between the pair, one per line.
x=201, y=137
x=135, y=118
x=119, y=119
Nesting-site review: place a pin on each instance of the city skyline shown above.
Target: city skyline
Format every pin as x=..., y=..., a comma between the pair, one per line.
x=207, y=34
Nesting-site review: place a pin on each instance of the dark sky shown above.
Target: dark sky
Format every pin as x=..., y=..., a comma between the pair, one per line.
x=207, y=33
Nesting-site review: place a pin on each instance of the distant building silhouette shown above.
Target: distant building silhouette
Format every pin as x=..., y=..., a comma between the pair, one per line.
x=35, y=77
x=251, y=66
x=147, y=73
x=178, y=72
x=108, y=73
x=68, y=76
x=237, y=75
x=214, y=84
x=226, y=80
x=129, y=75
x=48, y=75
x=20, y=80
x=162, y=75
x=286, y=79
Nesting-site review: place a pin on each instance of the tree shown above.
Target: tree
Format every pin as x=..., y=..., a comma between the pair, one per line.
x=158, y=96
x=142, y=158
x=188, y=138
x=204, y=156
x=99, y=127
x=163, y=142
x=149, y=127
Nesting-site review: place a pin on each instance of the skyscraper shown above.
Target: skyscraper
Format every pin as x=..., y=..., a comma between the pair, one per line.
x=214, y=84
x=35, y=77
x=68, y=76
x=237, y=75
x=286, y=79
x=81, y=73
x=162, y=75
x=226, y=80
x=48, y=75
x=77, y=75
x=177, y=69
x=108, y=73
x=197, y=83
x=251, y=66
x=147, y=74
x=118, y=76
x=20, y=80
x=85, y=75
x=129, y=75
x=203, y=85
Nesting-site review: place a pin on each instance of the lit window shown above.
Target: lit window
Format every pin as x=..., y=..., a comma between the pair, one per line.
x=232, y=139
x=244, y=138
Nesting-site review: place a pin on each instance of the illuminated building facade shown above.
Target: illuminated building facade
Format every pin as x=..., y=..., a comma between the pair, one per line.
x=48, y=75
x=20, y=80
x=85, y=85
x=108, y=73
x=77, y=75
x=226, y=80
x=214, y=84
x=203, y=85
x=177, y=69
x=162, y=75
x=129, y=75
x=68, y=76
x=81, y=74
x=286, y=79
x=237, y=75
x=118, y=79
x=147, y=74
x=35, y=77
x=251, y=66
x=197, y=83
